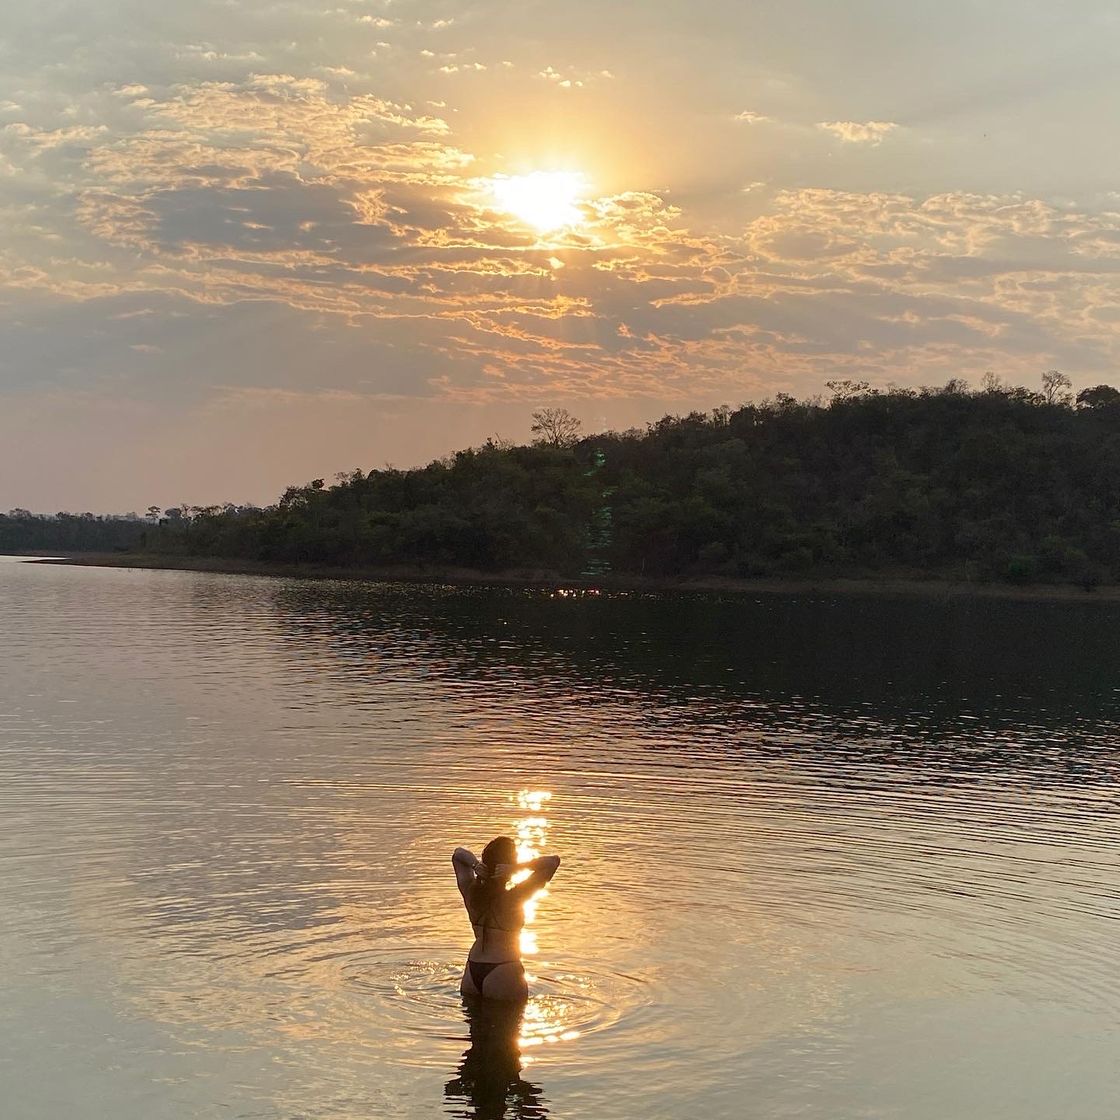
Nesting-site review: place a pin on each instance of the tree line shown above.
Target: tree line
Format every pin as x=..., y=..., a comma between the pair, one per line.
x=999, y=483
x=24, y=531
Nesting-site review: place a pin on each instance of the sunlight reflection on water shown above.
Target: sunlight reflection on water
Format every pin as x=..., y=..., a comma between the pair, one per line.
x=836, y=859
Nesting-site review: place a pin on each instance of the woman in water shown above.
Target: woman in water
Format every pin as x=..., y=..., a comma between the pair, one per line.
x=497, y=913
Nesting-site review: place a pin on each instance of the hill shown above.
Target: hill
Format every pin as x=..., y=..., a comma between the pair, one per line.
x=1001, y=484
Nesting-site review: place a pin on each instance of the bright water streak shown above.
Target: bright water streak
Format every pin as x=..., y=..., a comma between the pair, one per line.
x=828, y=859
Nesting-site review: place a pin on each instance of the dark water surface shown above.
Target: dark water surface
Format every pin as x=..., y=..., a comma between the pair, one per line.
x=825, y=858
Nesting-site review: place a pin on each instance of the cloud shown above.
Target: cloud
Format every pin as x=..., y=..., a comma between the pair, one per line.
x=572, y=79
x=291, y=217
x=356, y=219
x=871, y=133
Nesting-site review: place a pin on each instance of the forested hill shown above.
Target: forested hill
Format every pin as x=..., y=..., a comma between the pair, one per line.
x=1002, y=484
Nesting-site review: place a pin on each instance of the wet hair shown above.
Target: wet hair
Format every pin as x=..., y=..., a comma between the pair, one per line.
x=485, y=895
x=502, y=849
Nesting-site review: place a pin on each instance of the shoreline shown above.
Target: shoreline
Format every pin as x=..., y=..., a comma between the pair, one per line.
x=929, y=588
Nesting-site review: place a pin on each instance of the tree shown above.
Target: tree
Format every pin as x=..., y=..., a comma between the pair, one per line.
x=153, y=513
x=1055, y=387
x=555, y=427
x=1099, y=396
x=845, y=390
x=993, y=484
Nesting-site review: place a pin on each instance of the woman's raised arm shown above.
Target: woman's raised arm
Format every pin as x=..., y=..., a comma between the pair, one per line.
x=541, y=871
x=466, y=865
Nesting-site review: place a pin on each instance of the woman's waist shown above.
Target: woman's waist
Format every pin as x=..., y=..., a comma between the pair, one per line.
x=498, y=945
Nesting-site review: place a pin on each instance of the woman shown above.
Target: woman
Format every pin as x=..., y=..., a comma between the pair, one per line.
x=497, y=913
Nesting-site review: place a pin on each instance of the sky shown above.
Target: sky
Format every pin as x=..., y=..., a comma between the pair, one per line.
x=248, y=244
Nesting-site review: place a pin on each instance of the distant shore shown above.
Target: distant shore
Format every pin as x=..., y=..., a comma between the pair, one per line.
x=931, y=588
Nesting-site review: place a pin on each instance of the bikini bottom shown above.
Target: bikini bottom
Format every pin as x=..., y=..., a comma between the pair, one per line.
x=479, y=970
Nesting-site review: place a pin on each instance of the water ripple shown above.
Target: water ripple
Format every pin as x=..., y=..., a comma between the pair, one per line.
x=797, y=833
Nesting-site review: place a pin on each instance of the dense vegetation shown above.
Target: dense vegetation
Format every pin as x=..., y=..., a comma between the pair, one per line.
x=23, y=531
x=996, y=484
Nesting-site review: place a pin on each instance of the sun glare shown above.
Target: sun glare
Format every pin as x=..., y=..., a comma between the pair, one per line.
x=546, y=200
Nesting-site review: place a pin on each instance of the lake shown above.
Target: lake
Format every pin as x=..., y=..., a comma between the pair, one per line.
x=823, y=857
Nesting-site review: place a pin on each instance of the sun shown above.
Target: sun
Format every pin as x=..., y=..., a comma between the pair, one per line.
x=546, y=200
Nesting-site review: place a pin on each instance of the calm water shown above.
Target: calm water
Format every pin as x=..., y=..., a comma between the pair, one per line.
x=822, y=858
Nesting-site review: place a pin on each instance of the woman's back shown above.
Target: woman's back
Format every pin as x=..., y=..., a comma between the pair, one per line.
x=497, y=915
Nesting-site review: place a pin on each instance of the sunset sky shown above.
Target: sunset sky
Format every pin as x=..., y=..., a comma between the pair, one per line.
x=246, y=244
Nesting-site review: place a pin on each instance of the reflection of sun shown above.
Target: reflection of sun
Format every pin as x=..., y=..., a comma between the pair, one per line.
x=542, y=1023
x=546, y=200
x=543, y=1018
x=531, y=832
